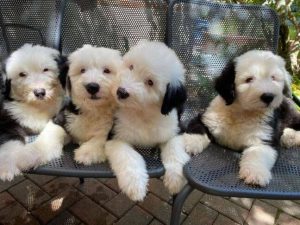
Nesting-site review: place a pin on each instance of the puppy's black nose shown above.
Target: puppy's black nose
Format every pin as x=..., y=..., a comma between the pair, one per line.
x=267, y=98
x=92, y=88
x=39, y=93
x=122, y=93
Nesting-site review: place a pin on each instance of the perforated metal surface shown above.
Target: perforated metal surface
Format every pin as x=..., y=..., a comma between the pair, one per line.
x=215, y=171
x=113, y=24
x=207, y=35
x=66, y=166
x=24, y=21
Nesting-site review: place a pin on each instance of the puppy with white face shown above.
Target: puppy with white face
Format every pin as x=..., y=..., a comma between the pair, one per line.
x=249, y=114
x=33, y=96
x=88, y=117
x=150, y=94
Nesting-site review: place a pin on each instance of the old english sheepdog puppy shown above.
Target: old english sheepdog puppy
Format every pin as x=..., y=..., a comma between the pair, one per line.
x=150, y=94
x=88, y=117
x=33, y=95
x=250, y=114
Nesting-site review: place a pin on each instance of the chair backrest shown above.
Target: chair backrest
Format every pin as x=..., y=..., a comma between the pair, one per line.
x=113, y=24
x=205, y=35
x=24, y=21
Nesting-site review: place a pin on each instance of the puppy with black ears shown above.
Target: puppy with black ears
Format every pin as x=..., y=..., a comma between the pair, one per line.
x=88, y=117
x=251, y=114
x=33, y=95
x=150, y=94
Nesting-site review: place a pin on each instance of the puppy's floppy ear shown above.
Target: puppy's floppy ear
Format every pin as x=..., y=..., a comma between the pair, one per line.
x=5, y=87
x=5, y=83
x=63, y=67
x=175, y=97
x=287, y=91
x=225, y=85
x=68, y=85
x=287, y=86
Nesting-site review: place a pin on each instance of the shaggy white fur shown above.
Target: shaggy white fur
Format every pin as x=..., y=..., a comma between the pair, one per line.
x=149, y=89
x=36, y=95
x=90, y=76
x=240, y=117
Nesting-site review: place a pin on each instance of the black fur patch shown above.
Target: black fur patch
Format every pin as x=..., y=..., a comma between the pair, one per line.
x=63, y=69
x=111, y=133
x=6, y=90
x=68, y=84
x=174, y=97
x=287, y=91
x=285, y=116
x=60, y=118
x=225, y=85
x=196, y=126
x=10, y=129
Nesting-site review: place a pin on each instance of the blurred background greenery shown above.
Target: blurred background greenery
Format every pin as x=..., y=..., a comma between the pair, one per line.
x=289, y=41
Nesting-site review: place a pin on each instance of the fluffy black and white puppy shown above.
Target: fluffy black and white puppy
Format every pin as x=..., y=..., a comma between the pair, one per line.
x=251, y=114
x=88, y=117
x=33, y=95
x=149, y=93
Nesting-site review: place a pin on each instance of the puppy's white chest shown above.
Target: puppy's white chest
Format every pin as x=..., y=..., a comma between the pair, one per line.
x=145, y=130
x=237, y=131
x=83, y=127
x=29, y=117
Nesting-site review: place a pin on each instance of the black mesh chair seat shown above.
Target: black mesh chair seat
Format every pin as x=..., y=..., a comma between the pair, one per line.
x=215, y=171
x=66, y=166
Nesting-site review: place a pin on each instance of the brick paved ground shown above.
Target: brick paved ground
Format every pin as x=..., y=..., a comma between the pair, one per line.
x=34, y=199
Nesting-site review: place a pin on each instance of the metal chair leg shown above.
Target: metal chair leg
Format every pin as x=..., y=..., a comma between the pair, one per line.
x=178, y=204
x=81, y=180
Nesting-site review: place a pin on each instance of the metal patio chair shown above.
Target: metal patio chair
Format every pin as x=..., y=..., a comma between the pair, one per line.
x=67, y=25
x=219, y=33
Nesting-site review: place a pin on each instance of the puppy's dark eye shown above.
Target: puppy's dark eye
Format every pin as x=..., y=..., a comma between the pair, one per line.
x=249, y=80
x=150, y=82
x=82, y=70
x=45, y=70
x=273, y=77
x=131, y=67
x=106, y=70
x=22, y=74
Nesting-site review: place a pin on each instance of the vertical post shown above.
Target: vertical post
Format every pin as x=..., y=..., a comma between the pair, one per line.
x=81, y=180
x=168, y=35
x=61, y=12
x=178, y=202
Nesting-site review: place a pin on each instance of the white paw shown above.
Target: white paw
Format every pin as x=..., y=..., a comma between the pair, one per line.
x=255, y=175
x=88, y=156
x=288, y=138
x=40, y=153
x=195, y=143
x=174, y=182
x=134, y=186
x=8, y=170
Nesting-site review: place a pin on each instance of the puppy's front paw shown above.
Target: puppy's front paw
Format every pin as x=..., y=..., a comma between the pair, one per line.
x=87, y=156
x=8, y=170
x=288, y=138
x=134, y=186
x=174, y=182
x=195, y=143
x=255, y=175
